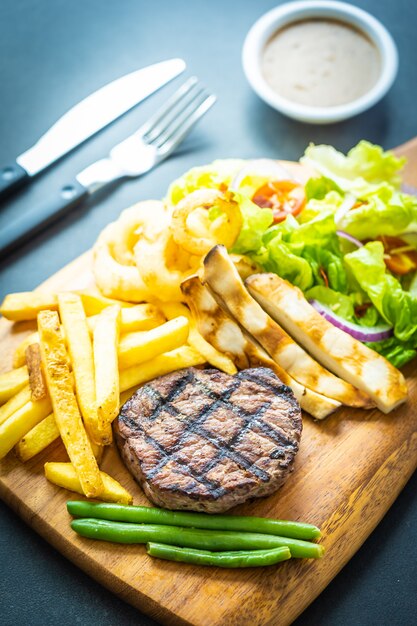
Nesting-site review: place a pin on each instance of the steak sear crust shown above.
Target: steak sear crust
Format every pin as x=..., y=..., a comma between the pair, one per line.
x=202, y=440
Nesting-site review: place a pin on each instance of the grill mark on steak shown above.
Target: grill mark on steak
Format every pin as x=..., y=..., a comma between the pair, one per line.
x=164, y=401
x=214, y=486
x=250, y=420
x=193, y=426
x=179, y=452
x=272, y=433
x=159, y=401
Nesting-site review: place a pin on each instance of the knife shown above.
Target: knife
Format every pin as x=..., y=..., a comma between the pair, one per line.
x=85, y=119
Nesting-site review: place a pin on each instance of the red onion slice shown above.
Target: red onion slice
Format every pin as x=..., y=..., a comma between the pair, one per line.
x=344, y=235
x=362, y=333
x=264, y=168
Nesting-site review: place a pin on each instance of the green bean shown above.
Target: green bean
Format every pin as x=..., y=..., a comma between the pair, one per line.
x=150, y=515
x=253, y=558
x=216, y=540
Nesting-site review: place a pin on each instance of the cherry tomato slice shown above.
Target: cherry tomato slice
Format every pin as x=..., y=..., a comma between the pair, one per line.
x=284, y=197
x=399, y=258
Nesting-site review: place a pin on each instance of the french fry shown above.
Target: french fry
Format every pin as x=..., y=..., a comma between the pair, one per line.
x=197, y=341
x=174, y=309
x=105, y=342
x=67, y=414
x=134, y=318
x=21, y=422
x=81, y=354
x=37, y=383
x=64, y=475
x=19, y=355
x=135, y=348
x=46, y=432
x=97, y=451
x=27, y=304
x=141, y=317
x=12, y=382
x=94, y=302
x=210, y=353
x=186, y=356
x=14, y=403
x=38, y=438
x=41, y=436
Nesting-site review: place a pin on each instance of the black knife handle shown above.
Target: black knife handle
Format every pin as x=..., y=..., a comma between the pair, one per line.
x=35, y=220
x=11, y=177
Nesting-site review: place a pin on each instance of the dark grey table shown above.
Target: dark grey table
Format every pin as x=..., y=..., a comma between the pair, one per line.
x=54, y=53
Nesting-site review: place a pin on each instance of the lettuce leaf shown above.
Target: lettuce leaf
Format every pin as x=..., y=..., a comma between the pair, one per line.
x=372, y=176
x=210, y=176
x=319, y=230
x=255, y=222
x=364, y=166
x=327, y=205
x=384, y=215
x=395, y=305
x=323, y=263
x=319, y=187
x=305, y=254
x=277, y=257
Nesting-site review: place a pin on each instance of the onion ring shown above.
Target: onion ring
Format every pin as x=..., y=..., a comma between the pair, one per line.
x=223, y=229
x=163, y=265
x=115, y=271
x=115, y=280
x=151, y=216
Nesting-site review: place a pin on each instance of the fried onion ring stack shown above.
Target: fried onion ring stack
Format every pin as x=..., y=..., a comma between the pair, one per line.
x=152, y=248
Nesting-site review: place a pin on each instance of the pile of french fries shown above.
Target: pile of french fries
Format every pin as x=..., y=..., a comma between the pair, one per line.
x=70, y=377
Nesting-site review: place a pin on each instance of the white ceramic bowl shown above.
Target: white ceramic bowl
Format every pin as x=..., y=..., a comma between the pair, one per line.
x=291, y=12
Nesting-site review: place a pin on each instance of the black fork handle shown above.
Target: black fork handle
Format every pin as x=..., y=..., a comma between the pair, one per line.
x=28, y=225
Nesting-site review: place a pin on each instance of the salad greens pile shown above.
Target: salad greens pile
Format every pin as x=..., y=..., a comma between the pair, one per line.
x=358, y=194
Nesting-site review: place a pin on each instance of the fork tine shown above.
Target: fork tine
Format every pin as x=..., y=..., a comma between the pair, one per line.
x=181, y=116
x=186, y=102
x=150, y=124
x=184, y=128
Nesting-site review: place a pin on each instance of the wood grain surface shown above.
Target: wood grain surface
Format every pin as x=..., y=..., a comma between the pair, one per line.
x=348, y=472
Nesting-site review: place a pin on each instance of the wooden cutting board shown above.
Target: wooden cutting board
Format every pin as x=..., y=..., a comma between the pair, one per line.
x=349, y=471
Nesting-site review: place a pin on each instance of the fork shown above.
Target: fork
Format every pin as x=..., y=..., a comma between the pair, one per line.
x=151, y=144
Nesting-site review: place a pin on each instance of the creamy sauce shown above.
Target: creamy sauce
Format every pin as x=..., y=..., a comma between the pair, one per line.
x=320, y=63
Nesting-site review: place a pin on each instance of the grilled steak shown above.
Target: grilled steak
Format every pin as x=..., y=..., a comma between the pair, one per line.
x=206, y=441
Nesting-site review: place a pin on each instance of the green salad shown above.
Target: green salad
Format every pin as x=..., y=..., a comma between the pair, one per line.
x=347, y=238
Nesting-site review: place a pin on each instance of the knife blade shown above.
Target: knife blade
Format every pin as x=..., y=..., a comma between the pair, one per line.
x=85, y=119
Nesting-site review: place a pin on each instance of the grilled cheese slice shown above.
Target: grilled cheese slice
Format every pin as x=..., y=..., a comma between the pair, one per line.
x=228, y=289
x=342, y=354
